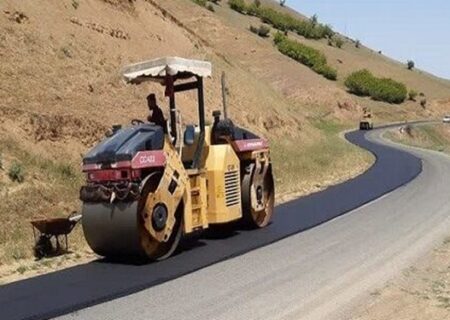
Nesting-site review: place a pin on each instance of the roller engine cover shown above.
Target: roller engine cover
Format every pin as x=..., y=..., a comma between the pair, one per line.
x=124, y=144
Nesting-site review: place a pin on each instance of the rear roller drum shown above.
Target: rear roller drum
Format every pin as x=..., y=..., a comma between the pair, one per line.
x=258, y=196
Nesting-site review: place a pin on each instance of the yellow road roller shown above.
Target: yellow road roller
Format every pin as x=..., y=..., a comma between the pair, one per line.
x=148, y=184
x=366, y=122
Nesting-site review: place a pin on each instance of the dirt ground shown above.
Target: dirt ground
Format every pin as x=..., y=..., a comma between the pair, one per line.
x=420, y=292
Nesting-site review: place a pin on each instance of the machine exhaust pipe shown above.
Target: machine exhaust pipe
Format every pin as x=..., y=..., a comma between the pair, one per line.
x=224, y=96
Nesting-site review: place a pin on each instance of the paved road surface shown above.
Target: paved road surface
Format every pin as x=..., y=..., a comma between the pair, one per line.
x=317, y=274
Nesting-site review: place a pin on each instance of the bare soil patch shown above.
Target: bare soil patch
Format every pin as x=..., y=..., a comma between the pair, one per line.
x=420, y=292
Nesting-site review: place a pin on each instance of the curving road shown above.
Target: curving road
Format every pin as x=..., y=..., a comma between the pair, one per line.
x=315, y=274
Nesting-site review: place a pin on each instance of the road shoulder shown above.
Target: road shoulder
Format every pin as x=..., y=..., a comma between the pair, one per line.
x=422, y=291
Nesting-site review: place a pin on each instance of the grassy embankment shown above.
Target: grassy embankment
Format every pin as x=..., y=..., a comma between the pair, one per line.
x=433, y=137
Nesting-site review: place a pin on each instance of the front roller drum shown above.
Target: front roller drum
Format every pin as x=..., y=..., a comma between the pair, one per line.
x=258, y=196
x=116, y=230
x=113, y=229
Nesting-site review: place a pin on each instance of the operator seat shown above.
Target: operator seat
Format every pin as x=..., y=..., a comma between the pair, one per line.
x=222, y=131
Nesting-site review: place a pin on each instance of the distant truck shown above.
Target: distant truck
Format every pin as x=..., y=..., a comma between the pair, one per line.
x=446, y=119
x=366, y=122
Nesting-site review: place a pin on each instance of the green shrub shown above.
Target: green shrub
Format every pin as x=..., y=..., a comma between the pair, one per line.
x=360, y=82
x=252, y=10
x=339, y=42
x=277, y=19
x=67, y=171
x=238, y=5
x=200, y=2
x=66, y=51
x=423, y=103
x=15, y=173
x=412, y=95
x=279, y=37
x=263, y=31
x=327, y=71
x=389, y=90
x=306, y=55
x=205, y=4
x=75, y=4
x=310, y=28
x=364, y=83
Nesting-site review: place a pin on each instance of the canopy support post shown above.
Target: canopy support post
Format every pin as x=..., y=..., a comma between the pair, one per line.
x=170, y=92
x=201, y=115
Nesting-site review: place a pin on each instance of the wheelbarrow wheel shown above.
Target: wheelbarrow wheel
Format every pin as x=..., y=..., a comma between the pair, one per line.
x=43, y=247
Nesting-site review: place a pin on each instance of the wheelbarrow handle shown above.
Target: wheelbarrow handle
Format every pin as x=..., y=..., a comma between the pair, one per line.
x=75, y=217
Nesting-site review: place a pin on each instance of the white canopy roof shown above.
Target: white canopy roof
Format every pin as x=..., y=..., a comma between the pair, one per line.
x=159, y=68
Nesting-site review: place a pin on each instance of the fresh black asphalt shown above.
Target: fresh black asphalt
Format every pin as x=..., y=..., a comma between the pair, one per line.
x=78, y=287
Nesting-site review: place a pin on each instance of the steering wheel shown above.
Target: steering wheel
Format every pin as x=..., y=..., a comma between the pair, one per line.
x=136, y=122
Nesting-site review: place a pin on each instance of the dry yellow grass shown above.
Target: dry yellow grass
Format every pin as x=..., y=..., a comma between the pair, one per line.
x=434, y=137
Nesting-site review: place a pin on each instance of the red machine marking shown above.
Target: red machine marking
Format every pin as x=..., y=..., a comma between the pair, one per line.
x=109, y=175
x=91, y=167
x=250, y=145
x=148, y=159
x=121, y=164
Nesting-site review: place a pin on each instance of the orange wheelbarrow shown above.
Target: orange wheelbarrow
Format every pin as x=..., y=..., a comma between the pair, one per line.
x=46, y=229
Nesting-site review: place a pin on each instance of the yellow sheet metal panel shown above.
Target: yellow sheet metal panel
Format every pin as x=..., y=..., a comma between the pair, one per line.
x=162, y=195
x=198, y=200
x=223, y=183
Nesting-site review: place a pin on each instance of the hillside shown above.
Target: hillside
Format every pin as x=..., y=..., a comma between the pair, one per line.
x=60, y=90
